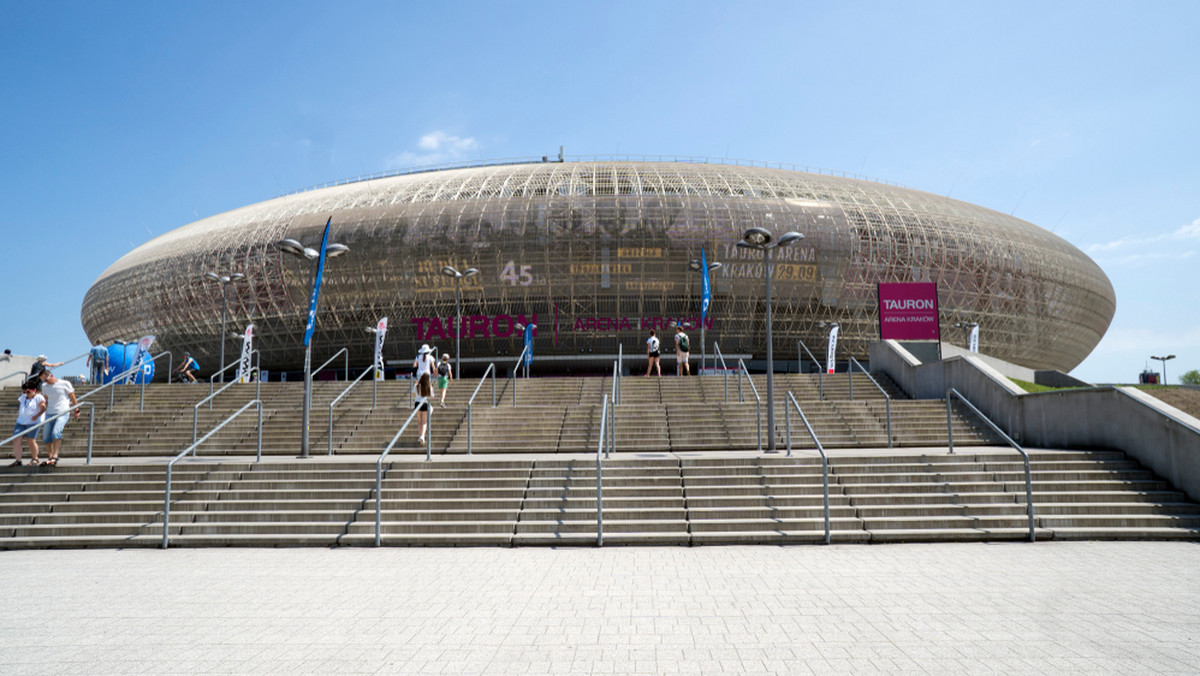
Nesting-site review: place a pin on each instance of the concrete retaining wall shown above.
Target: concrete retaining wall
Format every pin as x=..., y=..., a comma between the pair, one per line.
x=1159, y=436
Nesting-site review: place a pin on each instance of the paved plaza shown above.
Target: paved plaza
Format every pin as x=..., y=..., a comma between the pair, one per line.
x=1046, y=608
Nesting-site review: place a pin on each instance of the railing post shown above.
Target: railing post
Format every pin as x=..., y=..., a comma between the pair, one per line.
x=599, y=480
x=468, y=429
x=949, y=425
x=258, y=458
x=787, y=424
x=91, y=426
x=167, y=509
x=429, y=432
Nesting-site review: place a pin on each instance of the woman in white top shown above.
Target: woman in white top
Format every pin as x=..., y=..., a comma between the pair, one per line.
x=424, y=362
x=652, y=355
x=31, y=410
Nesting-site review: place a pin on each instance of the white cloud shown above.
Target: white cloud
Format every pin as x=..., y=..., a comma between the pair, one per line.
x=1141, y=249
x=436, y=147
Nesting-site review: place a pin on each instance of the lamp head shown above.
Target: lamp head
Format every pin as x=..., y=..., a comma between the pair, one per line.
x=290, y=246
x=451, y=272
x=757, y=237
x=237, y=276
x=213, y=276
x=715, y=265
x=333, y=250
x=470, y=271
x=694, y=265
x=790, y=237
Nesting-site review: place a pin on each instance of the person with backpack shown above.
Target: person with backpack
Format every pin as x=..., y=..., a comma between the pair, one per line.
x=444, y=375
x=652, y=355
x=683, y=350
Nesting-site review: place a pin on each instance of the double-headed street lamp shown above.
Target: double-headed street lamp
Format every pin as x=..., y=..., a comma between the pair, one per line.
x=761, y=239
x=697, y=266
x=294, y=248
x=1164, y=363
x=970, y=327
x=224, y=281
x=458, y=277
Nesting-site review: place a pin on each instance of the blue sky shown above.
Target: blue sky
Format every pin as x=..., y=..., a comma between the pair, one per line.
x=122, y=121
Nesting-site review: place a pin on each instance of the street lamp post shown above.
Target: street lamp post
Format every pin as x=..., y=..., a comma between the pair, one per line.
x=760, y=239
x=458, y=276
x=224, y=281
x=294, y=248
x=697, y=266
x=1164, y=364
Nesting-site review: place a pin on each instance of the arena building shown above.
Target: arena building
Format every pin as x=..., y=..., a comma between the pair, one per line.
x=596, y=252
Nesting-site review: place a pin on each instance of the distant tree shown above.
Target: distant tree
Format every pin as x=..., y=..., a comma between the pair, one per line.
x=1190, y=378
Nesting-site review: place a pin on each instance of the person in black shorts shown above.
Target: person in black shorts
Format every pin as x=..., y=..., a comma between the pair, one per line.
x=652, y=355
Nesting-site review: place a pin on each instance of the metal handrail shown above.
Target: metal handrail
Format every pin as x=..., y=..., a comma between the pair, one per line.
x=820, y=449
x=513, y=376
x=78, y=404
x=820, y=371
x=620, y=372
x=854, y=362
x=724, y=369
x=379, y=475
x=374, y=400
x=1024, y=455
x=192, y=449
x=214, y=395
x=470, y=402
x=211, y=379
x=124, y=374
x=611, y=440
x=599, y=479
x=757, y=399
x=345, y=351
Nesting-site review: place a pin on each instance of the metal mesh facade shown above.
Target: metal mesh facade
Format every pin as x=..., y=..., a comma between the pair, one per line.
x=596, y=252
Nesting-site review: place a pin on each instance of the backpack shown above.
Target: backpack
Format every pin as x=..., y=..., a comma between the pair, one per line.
x=684, y=346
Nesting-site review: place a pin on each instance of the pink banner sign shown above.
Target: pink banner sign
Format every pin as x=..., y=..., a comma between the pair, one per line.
x=908, y=311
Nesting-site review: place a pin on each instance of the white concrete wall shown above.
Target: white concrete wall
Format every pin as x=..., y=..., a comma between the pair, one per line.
x=1159, y=436
x=14, y=369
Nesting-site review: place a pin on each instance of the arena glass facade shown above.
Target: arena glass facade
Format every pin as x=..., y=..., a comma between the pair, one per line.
x=596, y=252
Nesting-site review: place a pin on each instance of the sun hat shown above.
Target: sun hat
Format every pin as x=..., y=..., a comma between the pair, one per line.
x=425, y=349
x=41, y=357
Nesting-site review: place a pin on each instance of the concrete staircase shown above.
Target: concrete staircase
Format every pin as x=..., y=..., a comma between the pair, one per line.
x=552, y=415
x=693, y=499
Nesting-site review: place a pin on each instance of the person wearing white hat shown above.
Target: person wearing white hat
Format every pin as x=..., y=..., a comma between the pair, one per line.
x=424, y=362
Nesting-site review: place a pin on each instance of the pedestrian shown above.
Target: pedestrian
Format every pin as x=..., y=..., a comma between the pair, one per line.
x=683, y=352
x=40, y=365
x=445, y=375
x=98, y=361
x=31, y=410
x=188, y=368
x=60, y=398
x=421, y=394
x=424, y=362
x=652, y=355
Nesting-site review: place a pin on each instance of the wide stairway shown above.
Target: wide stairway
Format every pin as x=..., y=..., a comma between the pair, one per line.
x=686, y=471
x=647, y=499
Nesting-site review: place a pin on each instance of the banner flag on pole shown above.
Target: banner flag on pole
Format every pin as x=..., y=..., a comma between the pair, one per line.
x=705, y=286
x=974, y=339
x=529, y=343
x=380, y=331
x=143, y=349
x=316, y=290
x=830, y=358
x=243, y=371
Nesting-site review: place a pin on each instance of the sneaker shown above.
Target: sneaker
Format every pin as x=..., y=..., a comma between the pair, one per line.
x=443, y=404
x=420, y=440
